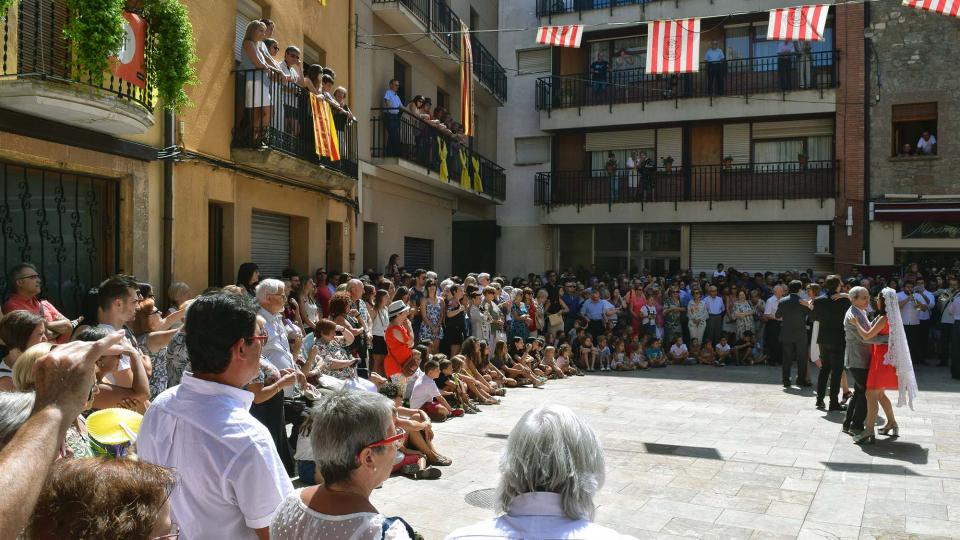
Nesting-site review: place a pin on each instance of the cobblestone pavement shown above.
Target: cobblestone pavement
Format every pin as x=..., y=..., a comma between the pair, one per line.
x=697, y=451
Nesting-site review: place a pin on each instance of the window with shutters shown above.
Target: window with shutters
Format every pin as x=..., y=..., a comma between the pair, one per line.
x=914, y=129
x=784, y=154
x=417, y=252
x=247, y=11
x=313, y=54
x=533, y=61
x=531, y=150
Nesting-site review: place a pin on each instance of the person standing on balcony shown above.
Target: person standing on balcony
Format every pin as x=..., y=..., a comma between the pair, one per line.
x=716, y=68
x=785, y=53
x=265, y=46
x=611, y=169
x=255, y=68
x=292, y=68
x=806, y=64
x=391, y=117
x=598, y=73
x=647, y=170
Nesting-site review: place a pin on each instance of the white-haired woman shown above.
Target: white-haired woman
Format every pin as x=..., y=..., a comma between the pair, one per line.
x=355, y=441
x=555, y=498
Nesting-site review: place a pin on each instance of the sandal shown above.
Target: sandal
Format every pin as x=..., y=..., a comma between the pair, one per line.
x=441, y=461
x=429, y=473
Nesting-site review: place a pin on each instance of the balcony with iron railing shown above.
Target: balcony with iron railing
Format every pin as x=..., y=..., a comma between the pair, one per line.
x=442, y=26
x=429, y=151
x=39, y=75
x=701, y=183
x=274, y=130
x=744, y=78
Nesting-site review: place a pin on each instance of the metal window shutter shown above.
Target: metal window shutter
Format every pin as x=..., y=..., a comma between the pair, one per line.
x=793, y=128
x=270, y=247
x=621, y=140
x=736, y=142
x=532, y=150
x=670, y=143
x=417, y=253
x=774, y=247
x=247, y=10
x=534, y=61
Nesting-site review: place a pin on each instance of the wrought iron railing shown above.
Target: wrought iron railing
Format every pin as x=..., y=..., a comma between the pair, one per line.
x=546, y=8
x=272, y=113
x=34, y=47
x=490, y=73
x=403, y=135
x=444, y=27
x=746, y=182
x=741, y=77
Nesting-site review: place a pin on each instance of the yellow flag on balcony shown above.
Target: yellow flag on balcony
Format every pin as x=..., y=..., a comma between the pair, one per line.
x=466, y=81
x=442, y=152
x=477, y=181
x=464, y=170
x=323, y=2
x=325, y=140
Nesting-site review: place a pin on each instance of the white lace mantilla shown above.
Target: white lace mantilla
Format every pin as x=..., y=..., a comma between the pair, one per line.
x=898, y=354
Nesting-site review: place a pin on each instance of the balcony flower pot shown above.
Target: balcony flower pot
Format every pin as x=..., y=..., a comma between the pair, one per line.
x=668, y=164
x=803, y=159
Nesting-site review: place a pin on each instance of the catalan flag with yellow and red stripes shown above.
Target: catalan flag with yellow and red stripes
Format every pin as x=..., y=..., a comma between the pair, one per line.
x=325, y=139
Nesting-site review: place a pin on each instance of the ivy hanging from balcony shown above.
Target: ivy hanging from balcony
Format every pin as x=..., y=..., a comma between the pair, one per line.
x=95, y=28
x=4, y=6
x=172, y=65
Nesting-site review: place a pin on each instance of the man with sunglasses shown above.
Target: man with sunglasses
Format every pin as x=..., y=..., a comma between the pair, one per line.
x=25, y=282
x=231, y=478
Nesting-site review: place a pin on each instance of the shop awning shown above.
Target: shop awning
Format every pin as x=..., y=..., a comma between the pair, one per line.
x=934, y=211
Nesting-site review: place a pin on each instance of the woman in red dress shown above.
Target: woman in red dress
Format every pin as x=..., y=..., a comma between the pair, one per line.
x=880, y=377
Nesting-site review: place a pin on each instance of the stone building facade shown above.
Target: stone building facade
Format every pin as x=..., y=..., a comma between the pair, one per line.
x=914, y=200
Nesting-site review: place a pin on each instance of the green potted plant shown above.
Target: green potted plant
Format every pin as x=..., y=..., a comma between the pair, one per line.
x=668, y=164
x=803, y=158
x=727, y=162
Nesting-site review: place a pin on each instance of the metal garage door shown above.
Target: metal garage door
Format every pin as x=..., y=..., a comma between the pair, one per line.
x=417, y=253
x=270, y=243
x=756, y=247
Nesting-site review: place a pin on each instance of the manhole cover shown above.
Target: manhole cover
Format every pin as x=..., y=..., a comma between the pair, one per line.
x=481, y=498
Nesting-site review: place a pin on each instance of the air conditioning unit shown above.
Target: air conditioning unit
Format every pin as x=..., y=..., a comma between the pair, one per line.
x=823, y=240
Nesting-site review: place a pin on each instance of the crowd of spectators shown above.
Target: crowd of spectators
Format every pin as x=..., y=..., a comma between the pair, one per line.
x=337, y=381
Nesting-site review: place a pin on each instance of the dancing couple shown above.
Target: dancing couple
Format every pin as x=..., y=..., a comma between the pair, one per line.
x=877, y=358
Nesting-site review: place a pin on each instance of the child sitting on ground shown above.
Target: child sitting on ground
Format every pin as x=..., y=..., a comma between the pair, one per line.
x=454, y=393
x=604, y=353
x=707, y=356
x=621, y=362
x=678, y=351
x=550, y=362
x=746, y=352
x=418, y=452
x=473, y=389
x=504, y=362
x=426, y=396
x=654, y=353
x=637, y=358
x=723, y=351
x=588, y=354
x=563, y=362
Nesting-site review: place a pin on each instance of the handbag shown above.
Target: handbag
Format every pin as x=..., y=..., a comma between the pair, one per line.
x=410, y=366
x=555, y=320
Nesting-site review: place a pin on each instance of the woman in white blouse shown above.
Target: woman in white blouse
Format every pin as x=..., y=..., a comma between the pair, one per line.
x=354, y=441
x=570, y=471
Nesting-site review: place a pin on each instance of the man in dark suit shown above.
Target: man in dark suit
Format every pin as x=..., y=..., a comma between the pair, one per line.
x=793, y=334
x=829, y=311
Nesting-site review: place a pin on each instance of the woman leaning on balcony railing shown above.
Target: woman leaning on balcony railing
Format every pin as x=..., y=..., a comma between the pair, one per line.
x=258, y=72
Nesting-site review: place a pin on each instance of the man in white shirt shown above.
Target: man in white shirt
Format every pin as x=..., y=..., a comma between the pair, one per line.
x=719, y=272
x=911, y=304
x=230, y=478
x=946, y=297
x=925, y=316
x=292, y=68
x=119, y=298
x=927, y=145
x=771, y=329
x=715, y=68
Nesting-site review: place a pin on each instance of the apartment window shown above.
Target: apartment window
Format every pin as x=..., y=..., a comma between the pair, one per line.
x=532, y=150
x=598, y=159
x=313, y=54
x=761, y=47
x=533, y=61
x=443, y=99
x=783, y=154
x=910, y=121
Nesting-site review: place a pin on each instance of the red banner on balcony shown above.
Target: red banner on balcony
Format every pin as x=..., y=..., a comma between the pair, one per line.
x=673, y=46
x=130, y=66
x=802, y=23
x=561, y=36
x=466, y=81
x=943, y=7
x=325, y=139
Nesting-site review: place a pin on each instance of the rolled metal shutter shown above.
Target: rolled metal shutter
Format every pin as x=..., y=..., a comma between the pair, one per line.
x=417, y=253
x=534, y=61
x=736, y=142
x=270, y=243
x=793, y=128
x=620, y=140
x=760, y=247
x=670, y=143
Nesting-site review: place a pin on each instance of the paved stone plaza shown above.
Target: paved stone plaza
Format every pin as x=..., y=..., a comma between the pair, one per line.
x=696, y=451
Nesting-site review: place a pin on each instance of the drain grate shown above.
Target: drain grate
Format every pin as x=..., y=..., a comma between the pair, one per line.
x=481, y=498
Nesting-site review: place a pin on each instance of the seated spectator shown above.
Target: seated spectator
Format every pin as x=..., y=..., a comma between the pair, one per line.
x=232, y=479
x=707, y=355
x=654, y=353
x=927, y=145
x=555, y=498
x=417, y=424
x=474, y=390
x=453, y=389
x=19, y=330
x=723, y=351
x=678, y=351
x=15, y=408
x=105, y=498
x=26, y=283
x=588, y=353
x=744, y=352
x=355, y=442
x=426, y=395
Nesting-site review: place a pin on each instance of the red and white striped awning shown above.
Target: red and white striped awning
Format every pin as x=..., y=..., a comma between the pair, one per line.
x=944, y=7
x=561, y=36
x=917, y=211
x=802, y=23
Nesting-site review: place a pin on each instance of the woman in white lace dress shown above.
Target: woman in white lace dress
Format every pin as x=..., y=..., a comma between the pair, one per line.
x=354, y=441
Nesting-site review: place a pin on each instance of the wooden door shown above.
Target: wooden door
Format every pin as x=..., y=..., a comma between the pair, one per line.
x=706, y=144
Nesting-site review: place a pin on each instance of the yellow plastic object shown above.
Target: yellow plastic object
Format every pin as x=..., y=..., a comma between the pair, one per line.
x=104, y=425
